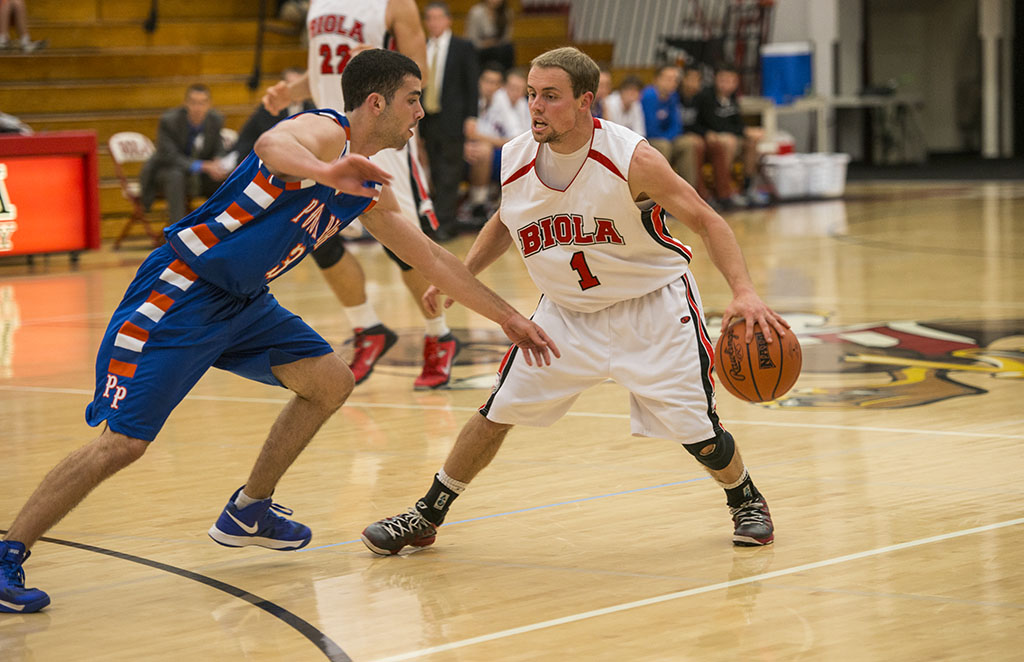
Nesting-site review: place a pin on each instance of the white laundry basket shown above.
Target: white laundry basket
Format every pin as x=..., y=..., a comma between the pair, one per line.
x=787, y=174
x=826, y=174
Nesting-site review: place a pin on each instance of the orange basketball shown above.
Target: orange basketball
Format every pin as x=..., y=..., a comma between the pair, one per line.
x=759, y=371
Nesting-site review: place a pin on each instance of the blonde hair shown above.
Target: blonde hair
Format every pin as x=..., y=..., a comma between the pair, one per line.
x=583, y=71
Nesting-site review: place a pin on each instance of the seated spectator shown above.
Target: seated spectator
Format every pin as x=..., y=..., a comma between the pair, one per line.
x=623, y=105
x=489, y=27
x=662, y=116
x=188, y=150
x=261, y=121
x=504, y=114
x=604, y=88
x=694, y=147
x=725, y=134
x=16, y=8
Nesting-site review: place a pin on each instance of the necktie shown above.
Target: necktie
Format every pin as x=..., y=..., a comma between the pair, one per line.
x=432, y=95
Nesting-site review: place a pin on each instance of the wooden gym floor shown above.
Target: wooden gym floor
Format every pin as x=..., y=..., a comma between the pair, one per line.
x=893, y=472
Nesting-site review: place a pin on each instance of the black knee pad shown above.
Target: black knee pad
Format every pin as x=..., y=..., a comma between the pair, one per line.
x=330, y=252
x=397, y=260
x=715, y=453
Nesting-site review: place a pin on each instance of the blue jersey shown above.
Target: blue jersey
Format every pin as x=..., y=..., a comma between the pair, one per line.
x=257, y=226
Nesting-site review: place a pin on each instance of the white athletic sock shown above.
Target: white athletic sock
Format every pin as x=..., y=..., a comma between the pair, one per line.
x=477, y=194
x=243, y=500
x=437, y=327
x=456, y=486
x=362, y=316
x=739, y=481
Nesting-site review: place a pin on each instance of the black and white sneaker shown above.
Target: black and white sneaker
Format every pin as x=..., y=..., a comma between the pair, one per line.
x=389, y=535
x=753, y=524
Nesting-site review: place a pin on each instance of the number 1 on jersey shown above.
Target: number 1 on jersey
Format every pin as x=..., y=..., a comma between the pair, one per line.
x=579, y=264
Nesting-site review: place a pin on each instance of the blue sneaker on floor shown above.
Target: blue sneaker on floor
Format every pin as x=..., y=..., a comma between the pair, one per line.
x=259, y=524
x=14, y=597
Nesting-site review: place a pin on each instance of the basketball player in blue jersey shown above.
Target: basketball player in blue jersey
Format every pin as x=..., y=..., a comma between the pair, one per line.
x=202, y=300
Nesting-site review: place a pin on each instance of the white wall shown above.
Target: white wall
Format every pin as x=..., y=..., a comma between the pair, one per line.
x=929, y=48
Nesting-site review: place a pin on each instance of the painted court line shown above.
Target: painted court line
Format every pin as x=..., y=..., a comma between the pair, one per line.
x=576, y=414
x=695, y=591
x=533, y=508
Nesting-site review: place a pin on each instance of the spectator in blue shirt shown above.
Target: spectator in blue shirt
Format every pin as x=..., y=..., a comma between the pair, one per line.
x=663, y=118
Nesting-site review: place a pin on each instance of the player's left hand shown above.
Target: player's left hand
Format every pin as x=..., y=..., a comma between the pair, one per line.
x=429, y=299
x=530, y=338
x=750, y=307
x=277, y=97
x=349, y=174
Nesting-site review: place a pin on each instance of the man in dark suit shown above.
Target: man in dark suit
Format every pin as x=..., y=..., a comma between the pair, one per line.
x=186, y=162
x=449, y=99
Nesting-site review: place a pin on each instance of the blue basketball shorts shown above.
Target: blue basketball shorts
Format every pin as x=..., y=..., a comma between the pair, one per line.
x=170, y=328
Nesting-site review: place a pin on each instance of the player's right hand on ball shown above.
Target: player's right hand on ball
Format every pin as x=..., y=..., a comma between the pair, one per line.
x=530, y=338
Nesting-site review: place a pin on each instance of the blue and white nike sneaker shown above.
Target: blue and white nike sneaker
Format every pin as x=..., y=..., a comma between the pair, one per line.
x=14, y=597
x=259, y=524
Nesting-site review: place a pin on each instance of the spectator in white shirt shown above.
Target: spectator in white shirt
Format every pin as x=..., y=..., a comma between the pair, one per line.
x=504, y=114
x=623, y=106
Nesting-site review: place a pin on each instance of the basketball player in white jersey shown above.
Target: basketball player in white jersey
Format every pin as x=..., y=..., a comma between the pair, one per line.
x=338, y=30
x=585, y=200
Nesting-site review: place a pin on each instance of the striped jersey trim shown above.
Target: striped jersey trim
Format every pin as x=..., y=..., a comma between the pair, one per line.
x=260, y=193
x=121, y=368
x=519, y=173
x=706, y=352
x=179, y=275
x=606, y=162
x=654, y=222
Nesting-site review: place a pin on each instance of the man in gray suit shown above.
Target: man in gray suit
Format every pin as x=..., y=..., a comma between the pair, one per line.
x=187, y=146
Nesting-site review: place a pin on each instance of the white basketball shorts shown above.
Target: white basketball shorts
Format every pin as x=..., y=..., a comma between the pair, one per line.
x=657, y=346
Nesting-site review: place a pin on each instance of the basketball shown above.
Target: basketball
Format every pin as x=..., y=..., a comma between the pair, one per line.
x=757, y=371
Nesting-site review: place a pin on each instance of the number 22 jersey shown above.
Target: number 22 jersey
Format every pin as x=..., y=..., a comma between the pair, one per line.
x=335, y=27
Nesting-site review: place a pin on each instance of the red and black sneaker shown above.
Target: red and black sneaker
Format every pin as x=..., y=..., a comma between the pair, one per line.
x=370, y=344
x=753, y=524
x=438, y=358
x=389, y=535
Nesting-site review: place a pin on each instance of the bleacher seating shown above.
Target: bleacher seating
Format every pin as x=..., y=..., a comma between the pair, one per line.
x=103, y=71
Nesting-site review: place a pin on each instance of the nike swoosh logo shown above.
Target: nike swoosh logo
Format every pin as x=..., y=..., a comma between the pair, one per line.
x=11, y=605
x=245, y=527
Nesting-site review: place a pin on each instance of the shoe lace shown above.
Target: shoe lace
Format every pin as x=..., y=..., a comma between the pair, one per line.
x=750, y=512
x=278, y=508
x=410, y=522
x=14, y=574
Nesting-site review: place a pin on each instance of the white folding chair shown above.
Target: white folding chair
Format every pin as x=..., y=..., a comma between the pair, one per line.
x=131, y=147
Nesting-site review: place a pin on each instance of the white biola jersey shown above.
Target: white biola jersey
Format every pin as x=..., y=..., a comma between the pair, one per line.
x=336, y=27
x=589, y=246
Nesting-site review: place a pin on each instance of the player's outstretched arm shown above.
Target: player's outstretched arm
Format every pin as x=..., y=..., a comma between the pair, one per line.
x=491, y=243
x=650, y=174
x=305, y=147
x=442, y=268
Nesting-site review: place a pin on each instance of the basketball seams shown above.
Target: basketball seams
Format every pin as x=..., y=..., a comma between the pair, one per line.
x=782, y=363
x=753, y=375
